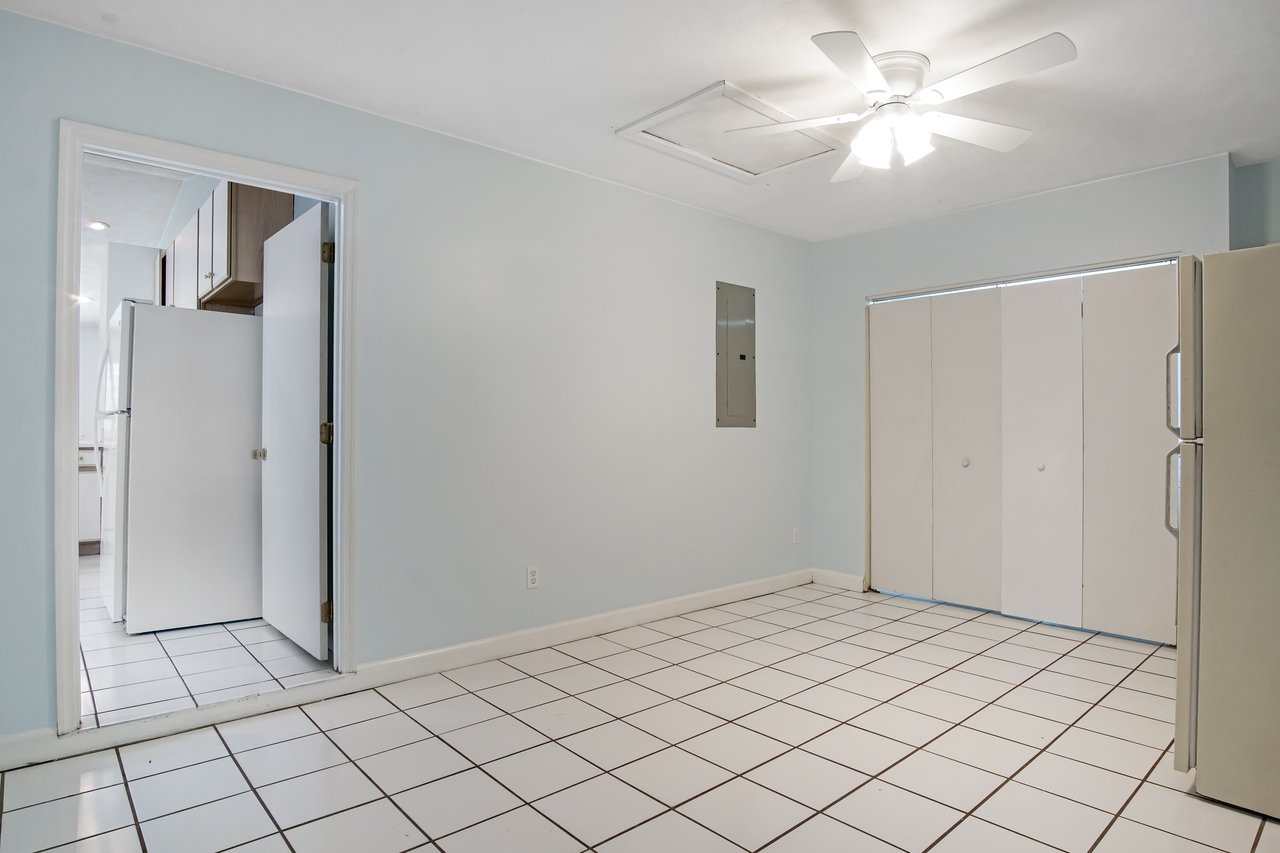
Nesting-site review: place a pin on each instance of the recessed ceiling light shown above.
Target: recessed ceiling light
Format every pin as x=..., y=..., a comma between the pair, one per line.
x=98, y=225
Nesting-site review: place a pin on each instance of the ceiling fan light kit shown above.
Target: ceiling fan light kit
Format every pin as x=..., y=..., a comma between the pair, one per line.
x=892, y=84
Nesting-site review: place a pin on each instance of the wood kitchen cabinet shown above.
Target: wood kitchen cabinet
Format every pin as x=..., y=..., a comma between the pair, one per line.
x=216, y=260
x=235, y=222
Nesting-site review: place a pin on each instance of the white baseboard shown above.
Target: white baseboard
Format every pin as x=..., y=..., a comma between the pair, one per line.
x=38, y=745
x=840, y=580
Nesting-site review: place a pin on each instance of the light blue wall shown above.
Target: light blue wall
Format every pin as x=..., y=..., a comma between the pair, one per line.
x=534, y=365
x=1173, y=210
x=1255, y=205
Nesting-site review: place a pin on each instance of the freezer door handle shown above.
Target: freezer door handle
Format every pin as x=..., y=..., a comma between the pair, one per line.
x=1168, y=491
x=1169, y=384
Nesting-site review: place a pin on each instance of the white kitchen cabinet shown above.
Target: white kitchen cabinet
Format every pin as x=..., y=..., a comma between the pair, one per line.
x=966, y=447
x=205, y=217
x=1042, y=464
x=89, y=518
x=1130, y=557
x=901, y=445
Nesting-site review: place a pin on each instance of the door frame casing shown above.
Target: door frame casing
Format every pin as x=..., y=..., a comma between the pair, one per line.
x=75, y=139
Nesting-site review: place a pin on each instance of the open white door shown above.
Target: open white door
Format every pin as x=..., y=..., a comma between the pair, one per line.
x=295, y=402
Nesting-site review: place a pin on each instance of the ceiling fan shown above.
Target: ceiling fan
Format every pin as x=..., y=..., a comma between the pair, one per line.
x=892, y=84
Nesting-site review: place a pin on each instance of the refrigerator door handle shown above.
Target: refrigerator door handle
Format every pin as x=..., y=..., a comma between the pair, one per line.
x=1168, y=491
x=1188, y=660
x=1169, y=385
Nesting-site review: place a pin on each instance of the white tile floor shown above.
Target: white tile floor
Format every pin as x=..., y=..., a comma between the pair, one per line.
x=810, y=720
x=128, y=677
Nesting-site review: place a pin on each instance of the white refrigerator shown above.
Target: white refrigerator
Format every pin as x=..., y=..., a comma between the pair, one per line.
x=179, y=417
x=1228, y=702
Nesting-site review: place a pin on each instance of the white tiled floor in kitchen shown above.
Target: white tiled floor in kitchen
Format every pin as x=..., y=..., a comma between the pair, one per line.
x=127, y=677
x=807, y=720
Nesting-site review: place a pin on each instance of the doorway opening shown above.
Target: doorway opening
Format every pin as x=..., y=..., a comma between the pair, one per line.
x=201, y=560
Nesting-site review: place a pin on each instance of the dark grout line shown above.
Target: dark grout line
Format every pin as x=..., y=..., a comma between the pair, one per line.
x=253, y=788
x=133, y=809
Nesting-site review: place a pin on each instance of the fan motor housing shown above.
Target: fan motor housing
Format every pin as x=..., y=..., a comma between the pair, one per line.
x=903, y=70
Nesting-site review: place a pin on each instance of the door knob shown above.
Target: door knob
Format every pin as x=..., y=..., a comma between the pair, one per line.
x=964, y=463
x=1040, y=467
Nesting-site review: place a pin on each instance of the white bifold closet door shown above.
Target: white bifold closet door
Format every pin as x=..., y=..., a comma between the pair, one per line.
x=1042, y=442
x=901, y=447
x=1130, y=557
x=966, y=447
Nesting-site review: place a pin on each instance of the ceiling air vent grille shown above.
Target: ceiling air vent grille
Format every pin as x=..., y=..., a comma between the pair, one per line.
x=694, y=128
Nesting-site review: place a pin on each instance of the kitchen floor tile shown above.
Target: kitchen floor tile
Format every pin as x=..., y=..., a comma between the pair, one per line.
x=671, y=831
x=805, y=777
x=420, y=691
x=563, y=717
x=622, y=698
x=455, y=802
x=1045, y=817
x=861, y=750
x=543, y=660
x=323, y=792
x=64, y=820
x=1084, y=783
x=215, y=826
x=674, y=721
x=982, y=750
x=165, y=793
x=29, y=786
x=599, y=808
x=378, y=827
x=253, y=732
x=449, y=714
x=824, y=833
x=894, y=815
x=493, y=739
x=540, y=771
x=974, y=834
x=289, y=758
x=407, y=767
x=901, y=724
x=1191, y=817
x=746, y=813
x=518, y=695
x=170, y=753
x=1125, y=836
x=359, y=740
x=734, y=748
x=522, y=829
x=943, y=779
x=613, y=744
x=673, y=776
x=345, y=710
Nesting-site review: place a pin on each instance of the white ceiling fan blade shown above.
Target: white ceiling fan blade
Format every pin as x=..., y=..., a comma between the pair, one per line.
x=798, y=124
x=1053, y=49
x=849, y=169
x=997, y=137
x=847, y=52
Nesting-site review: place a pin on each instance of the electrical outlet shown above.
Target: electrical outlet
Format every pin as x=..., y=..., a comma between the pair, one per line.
x=795, y=536
x=532, y=577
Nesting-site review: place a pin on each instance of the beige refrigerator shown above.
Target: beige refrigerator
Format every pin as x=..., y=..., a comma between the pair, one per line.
x=1228, y=709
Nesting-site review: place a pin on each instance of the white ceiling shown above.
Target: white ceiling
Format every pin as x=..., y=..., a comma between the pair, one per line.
x=135, y=201
x=1156, y=82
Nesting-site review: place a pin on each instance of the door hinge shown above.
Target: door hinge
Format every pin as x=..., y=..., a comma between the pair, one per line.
x=326, y=612
x=328, y=251
x=260, y=454
x=326, y=433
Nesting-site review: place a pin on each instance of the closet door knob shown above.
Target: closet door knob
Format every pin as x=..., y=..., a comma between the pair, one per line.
x=1040, y=467
x=964, y=463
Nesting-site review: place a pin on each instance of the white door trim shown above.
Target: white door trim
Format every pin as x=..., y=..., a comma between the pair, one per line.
x=76, y=140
